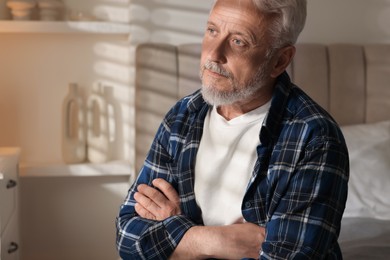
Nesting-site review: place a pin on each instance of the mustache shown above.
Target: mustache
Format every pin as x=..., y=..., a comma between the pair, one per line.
x=217, y=68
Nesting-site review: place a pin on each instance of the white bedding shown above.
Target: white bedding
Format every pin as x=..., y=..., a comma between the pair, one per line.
x=369, y=182
x=365, y=229
x=365, y=238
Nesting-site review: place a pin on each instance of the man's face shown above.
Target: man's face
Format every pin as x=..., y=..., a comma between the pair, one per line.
x=234, y=64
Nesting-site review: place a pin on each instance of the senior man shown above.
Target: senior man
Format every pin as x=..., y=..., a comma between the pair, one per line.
x=249, y=166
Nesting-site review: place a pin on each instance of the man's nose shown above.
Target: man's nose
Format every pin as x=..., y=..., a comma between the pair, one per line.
x=217, y=51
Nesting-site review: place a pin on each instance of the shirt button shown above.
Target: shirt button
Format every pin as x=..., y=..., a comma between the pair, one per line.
x=248, y=204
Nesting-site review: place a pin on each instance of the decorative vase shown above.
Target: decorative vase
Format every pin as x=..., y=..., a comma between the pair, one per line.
x=21, y=9
x=115, y=125
x=49, y=10
x=97, y=127
x=105, y=135
x=73, y=130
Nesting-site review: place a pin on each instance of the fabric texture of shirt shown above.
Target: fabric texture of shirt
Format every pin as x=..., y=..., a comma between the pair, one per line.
x=297, y=190
x=224, y=164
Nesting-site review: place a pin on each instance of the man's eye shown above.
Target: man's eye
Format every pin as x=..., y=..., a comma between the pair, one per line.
x=211, y=31
x=239, y=42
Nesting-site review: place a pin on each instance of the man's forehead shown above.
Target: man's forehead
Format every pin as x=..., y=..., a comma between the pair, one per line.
x=227, y=14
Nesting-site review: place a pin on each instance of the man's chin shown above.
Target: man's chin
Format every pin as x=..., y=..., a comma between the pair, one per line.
x=215, y=98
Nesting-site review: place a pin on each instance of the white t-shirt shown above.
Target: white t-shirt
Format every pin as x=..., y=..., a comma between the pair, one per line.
x=224, y=164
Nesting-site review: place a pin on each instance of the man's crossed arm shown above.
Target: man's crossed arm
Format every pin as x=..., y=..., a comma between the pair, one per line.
x=240, y=240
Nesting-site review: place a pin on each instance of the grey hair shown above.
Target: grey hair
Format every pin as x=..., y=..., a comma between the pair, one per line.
x=289, y=20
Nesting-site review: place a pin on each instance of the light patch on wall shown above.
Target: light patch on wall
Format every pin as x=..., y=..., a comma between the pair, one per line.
x=169, y=21
x=120, y=14
x=172, y=37
x=114, y=52
x=123, y=2
x=113, y=71
x=108, y=10
x=173, y=19
x=139, y=34
x=199, y=4
x=139, y=13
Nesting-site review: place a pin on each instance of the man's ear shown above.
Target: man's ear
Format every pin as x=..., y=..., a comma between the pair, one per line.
x=284, y=57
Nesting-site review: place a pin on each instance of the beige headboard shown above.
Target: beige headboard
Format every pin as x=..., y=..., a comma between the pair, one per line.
x=351, y=81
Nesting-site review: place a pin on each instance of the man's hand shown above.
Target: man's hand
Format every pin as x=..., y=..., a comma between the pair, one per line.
x=234, y=241
x=157, y=203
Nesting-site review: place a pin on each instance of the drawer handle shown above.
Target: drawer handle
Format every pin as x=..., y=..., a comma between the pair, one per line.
x=13, y=247
x=11, y=184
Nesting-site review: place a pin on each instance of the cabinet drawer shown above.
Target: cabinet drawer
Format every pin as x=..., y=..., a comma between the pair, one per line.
x=8, y=185
x=8, y=203
x=10, y=240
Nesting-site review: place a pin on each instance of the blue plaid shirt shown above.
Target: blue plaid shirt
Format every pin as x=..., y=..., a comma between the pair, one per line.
x=298, y=188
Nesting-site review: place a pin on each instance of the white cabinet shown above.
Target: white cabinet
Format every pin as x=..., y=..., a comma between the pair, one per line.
x=9, y=162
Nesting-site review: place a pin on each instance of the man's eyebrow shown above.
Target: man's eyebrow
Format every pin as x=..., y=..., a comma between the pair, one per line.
x=244, y=33
x=247, y=35
x=211, y=23
x=250, y=36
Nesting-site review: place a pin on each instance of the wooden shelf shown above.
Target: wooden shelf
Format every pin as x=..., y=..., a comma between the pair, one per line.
x=87, y=27
x=113, y=168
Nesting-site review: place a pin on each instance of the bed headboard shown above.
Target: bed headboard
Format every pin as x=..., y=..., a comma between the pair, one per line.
x=351, y=81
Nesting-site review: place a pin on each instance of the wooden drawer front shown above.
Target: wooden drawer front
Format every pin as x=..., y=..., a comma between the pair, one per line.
x=10, y=240
x=8, y=188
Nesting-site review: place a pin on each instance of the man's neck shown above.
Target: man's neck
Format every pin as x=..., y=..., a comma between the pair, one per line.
x=242, y=107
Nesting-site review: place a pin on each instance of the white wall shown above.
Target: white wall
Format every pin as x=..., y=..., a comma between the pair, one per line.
x=168, y=21
x=328, y=21
x=347, y=21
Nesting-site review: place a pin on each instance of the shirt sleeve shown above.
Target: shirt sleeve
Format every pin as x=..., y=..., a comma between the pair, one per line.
x=139, y=238
x=308, y=200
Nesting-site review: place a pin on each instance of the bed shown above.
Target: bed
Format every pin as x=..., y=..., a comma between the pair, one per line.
x=351, y=81
x=365, y=232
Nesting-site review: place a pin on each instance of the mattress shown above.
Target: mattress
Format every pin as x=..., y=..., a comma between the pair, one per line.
x=365, y=238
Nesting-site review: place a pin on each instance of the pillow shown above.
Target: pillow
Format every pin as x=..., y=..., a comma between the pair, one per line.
x=369, y=183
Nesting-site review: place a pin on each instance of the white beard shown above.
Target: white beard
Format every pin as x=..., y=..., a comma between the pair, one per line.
x=216, y=97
